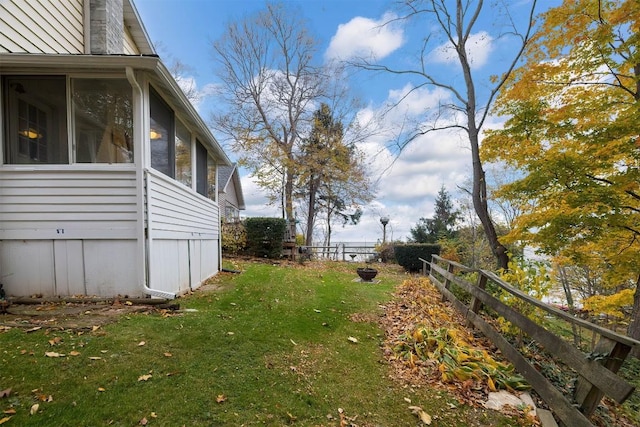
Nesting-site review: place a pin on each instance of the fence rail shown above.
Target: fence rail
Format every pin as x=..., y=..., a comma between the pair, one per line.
x=596, y=378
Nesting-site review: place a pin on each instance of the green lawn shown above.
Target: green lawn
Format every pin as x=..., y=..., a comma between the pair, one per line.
x=273, y=345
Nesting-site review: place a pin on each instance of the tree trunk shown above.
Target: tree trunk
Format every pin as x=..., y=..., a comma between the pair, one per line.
x=311, y=213
x=634, y=327
x=288, y=196
x=479, y=196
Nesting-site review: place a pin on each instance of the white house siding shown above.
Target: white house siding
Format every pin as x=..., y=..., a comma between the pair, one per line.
x=183, y=232
x=75, y=228
x=41, y=26
x=129, y=45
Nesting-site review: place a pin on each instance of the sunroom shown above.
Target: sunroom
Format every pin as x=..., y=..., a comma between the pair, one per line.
x=107, y=179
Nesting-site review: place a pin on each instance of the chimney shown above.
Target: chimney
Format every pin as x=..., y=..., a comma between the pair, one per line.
x=106, y=26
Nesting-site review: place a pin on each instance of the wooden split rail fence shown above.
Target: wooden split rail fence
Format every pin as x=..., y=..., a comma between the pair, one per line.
x=596, y=371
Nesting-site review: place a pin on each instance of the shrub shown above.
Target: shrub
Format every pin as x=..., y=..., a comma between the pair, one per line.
x=407, y=255
x=234, y=237
x=386, y=252
x=265, y=236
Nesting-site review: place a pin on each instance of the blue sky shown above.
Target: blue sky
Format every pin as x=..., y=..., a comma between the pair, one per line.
x=408, y=182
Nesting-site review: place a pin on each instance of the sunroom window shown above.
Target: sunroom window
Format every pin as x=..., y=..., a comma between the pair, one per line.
x=205, y=172
x=183, y=154
x=162, y=135
x=35, y=120
x=103, y=113
x=36, y=110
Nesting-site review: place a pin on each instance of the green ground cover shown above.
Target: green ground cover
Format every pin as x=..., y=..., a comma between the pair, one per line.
x=275, y=345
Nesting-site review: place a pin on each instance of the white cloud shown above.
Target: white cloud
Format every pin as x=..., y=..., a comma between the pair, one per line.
x=365, y=37
x=479, y=47
x=409, y=181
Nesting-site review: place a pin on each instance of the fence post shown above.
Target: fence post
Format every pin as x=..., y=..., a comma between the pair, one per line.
x=447, y=280
x=613, y=355
x=475, y=302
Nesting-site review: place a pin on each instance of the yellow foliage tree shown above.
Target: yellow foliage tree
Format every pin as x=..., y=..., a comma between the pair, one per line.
x=572, y=129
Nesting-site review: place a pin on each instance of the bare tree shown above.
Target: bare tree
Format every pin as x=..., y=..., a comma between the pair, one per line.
x=457, y=20
x=270, y=85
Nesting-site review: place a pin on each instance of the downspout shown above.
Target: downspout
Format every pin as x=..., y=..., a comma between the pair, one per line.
x=142, y=180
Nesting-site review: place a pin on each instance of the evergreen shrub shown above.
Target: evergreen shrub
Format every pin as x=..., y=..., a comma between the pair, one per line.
x=265, y=236
x=407, y=254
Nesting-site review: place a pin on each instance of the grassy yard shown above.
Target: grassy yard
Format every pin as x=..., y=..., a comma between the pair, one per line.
x=275, y=345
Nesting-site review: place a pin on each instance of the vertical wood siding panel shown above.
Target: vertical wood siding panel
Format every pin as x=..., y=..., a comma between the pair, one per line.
x=27, y=267
x=69, y=267
x=110, y=268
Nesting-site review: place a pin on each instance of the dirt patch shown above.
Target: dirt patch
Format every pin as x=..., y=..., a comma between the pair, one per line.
x=76, y=316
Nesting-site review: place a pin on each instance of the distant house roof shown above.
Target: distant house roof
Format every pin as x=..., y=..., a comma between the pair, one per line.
x=228, y=175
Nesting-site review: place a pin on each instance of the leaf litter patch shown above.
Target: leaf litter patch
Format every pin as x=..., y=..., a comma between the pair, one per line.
x=427, y=345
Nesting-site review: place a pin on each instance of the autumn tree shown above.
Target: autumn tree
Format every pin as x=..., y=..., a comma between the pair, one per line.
x=468, y=107
x=443, y=223
x=572, y=129
x=332, y=176
x=270, y=85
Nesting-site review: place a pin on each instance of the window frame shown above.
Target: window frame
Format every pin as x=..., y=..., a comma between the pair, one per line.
x=70, y=139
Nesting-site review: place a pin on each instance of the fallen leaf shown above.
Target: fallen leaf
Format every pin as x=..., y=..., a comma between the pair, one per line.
x=5, y=393
x=74, y=353
x=230, y=333
x=53, y=354
x=421, y=414
x=128, y=303
x=144, y=377
x=317, y=311
x=95, y=328
x=37, y=328
x=143, y=422
x=141, y=343
x=353, y=340
x=4, y=420
x=221, y=398
x=101, y=389
x=154, y=415
x=34, y=409
x=293, y=342
x=95, y=358
x=55, y=341
x=9, y=411
x=406, y=399
x=167, y=354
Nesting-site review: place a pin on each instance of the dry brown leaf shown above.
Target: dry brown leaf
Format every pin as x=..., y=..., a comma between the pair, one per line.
x=221, y=398
x=55, y=341
x=95, y=358
x=34, y=409
x=421, y=414
x=4, y=420
x=144, y=377
x=37, y=328
x=5, y=393
x=101, y=389
x=53, y=354
x=95, y=328
x=143, y=422
x=167, y=354
x=9, y=411
x=74, y=353
x=353, y=340
x=141, y=343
